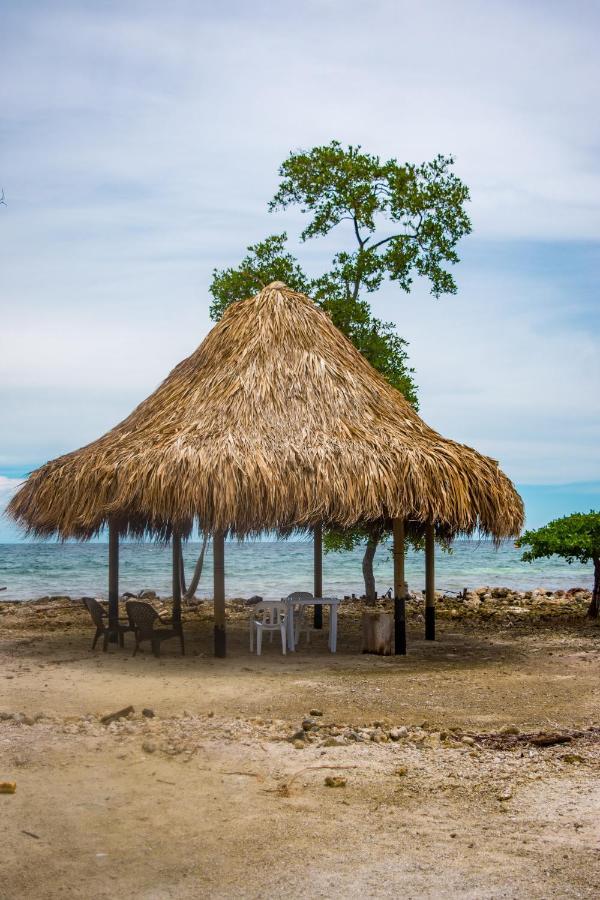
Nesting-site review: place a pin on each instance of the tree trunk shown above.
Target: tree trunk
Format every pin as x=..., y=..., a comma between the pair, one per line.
x=594, y=607
x=189, y=592
x=367, y=563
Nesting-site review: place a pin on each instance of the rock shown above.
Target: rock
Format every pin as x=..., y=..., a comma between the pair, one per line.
x=8, y=787
x=469, y=741
x=505, y=794
x=401, y=771
x=148, y=713
x=573, y=758
x=299, y=745
x=22, y=719
x=335, y=781
x=316, y=712
x=334, y=742
x=510, y=729
x=147, y=595
x=308, y=724
x=149, y=747
x=397, y=734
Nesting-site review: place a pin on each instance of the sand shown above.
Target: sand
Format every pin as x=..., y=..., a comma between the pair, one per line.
x=213, y=797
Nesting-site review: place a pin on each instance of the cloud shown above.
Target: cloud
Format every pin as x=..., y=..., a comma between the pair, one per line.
x=140, y=146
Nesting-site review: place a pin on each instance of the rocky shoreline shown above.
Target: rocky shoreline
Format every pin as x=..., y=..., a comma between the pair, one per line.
x=494, y=604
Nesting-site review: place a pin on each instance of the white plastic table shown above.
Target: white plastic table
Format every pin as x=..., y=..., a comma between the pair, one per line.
x=331, y=602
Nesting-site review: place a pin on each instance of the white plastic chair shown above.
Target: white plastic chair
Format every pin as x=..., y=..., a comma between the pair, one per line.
x=267, y=616
x=301, y=622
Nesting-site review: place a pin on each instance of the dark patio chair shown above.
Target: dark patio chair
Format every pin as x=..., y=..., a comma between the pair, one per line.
x=143, y=617
x=100, y=620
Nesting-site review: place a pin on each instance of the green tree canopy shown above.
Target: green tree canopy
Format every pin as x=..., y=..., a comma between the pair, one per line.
x=575, y=537
x=422, y=207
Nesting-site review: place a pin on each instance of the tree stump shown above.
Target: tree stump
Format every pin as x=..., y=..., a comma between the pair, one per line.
x=377, y=633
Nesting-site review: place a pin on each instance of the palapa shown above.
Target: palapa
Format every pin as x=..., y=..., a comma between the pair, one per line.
x=276, y=422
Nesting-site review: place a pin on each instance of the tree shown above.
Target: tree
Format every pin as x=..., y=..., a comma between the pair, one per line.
x=575, y=537
x=405, y=220
x=423, y=206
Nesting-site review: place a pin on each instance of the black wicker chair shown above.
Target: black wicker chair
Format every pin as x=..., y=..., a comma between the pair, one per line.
x=100, y=620
x=143, y=618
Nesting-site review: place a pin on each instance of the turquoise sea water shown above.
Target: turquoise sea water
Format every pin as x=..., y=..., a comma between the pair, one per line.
x=270, y=569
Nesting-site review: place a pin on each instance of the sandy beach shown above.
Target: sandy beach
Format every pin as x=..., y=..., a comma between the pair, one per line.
x=468, y=768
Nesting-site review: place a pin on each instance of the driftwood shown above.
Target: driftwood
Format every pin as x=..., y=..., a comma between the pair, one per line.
x=501, y=741
x=119, y=714
x=377, y=633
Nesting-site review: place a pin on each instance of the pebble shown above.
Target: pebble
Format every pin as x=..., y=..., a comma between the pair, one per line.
x=469, y=741
x=316, y=712
x=397, y=734
x=149, y=747
x=299, y=745
x=148, y=713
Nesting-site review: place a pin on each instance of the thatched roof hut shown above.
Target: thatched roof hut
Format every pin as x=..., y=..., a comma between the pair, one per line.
x=275, y=422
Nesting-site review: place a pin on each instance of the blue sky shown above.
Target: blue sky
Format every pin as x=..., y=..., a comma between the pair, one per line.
x=139, y=145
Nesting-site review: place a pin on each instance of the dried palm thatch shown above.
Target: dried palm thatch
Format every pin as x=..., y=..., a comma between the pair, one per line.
x=275, y=422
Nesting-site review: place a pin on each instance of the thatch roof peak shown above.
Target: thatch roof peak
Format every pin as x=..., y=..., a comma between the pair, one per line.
x=276, y=421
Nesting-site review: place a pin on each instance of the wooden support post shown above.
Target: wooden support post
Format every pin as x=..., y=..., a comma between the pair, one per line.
x=399, y=590
x=113, y=581
x=176, y=547
x=318, y=574
x=429, y=583
x=219, y=592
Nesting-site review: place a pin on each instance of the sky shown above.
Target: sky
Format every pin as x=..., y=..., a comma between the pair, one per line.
x=139, y=147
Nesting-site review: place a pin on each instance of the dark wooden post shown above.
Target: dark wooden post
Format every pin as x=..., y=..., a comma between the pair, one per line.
x=219, y=592
x=318, y=573
x=113, y=581
x=429, y=583
x=399, y=589
x=176, y=547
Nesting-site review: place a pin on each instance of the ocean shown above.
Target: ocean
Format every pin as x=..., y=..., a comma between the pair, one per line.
x=268, y=568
